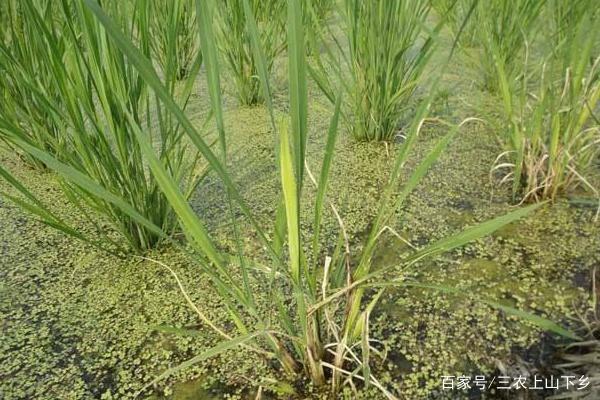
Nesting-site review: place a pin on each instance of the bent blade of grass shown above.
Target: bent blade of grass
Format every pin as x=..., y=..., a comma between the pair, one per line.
x=36, y=207
x=541, y=322
x=538, y=321
x=424, y=167
x=474, y=233
x=14, y=182
x=212, y=352
x=47, y=217
x=387, y=207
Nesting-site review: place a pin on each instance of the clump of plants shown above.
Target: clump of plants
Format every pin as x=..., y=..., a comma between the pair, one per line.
x=552, y=136
x=504, y=27
x=316, y=323
x=564, y=15
x=99, y=102
x=174, y=34
x=127, y=161
x=234, y=42
x=388, y=48
x=28, y=96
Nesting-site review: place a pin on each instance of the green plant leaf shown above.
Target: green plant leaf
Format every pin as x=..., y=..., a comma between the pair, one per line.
x=212, y=352
x=538, y=321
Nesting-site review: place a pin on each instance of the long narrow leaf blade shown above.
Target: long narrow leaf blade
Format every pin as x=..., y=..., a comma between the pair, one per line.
x=298, y=89
x=541, y=322
x=212, y=352
x=332, y=135
x=209, y=51
x=476, y=232
x=146, y=70
x=76, y=177
x=188, y=218
x=290, y=194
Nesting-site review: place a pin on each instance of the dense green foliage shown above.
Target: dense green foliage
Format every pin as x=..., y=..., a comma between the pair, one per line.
x=461, y=19
x=234, y=41
x=96, y=102
x=553, y=134
x=505, y=27
x=300, y=294
x=104, y=307
x=30, y=98
x=319, y=318
x=173, y=35
x=388, y=49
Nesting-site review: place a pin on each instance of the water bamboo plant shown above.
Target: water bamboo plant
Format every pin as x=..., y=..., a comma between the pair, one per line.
x=553, y=135
x=565, y=15
x=29, y=98
x=316, y=14
x=103, y=100
x=388, y=48
x=174, y=34
x=318, y=324
x=234, y=42
x=505, y=26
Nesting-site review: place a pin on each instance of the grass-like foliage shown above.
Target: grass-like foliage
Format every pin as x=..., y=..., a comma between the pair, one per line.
x=123, y=127
x=99, y=102
x=565, y=15
x=174, y=34
x=388, y=48
x=234, y=42
x=28, y=96
x=316, y=15
x=553, y=135
x=503, y=29
x=457, y=14
x=317, y=322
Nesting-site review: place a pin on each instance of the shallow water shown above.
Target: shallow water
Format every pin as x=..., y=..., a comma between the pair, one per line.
x=78, y=324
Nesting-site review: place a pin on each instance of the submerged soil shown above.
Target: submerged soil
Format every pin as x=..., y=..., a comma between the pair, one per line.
x=78, y=324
